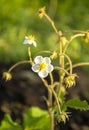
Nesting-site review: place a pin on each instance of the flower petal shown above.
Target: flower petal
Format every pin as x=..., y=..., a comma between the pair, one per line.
x=26, y=41
x=35, y=67
x=47, y=60
x=34, y=43
x=43, y=74
x=49, y=68
x=38, y=59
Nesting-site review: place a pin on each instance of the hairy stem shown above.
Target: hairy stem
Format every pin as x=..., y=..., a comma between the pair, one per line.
x=51, y=111
x=52, y=23
x=50, y=103
x=72, y=38
x=79, y=64
x=59, y=68
x=18, y=63
x=70, y=62
x=56, y=99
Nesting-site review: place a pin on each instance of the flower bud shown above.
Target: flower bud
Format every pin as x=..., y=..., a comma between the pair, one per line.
x=7, y=76
x=54, y=55
x=70, y=80
x=63, y=117
x=41, y=12
x=86, y=37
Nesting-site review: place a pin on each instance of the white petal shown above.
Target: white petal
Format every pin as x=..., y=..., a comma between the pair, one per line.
x=34, y=43
x=43, y=74
x=35, y=67
x=38, y=59
x=47, y=60
x=26, y=41
x=49, y=68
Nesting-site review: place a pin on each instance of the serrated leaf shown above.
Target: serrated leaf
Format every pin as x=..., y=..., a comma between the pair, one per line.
x=8, y=124
x=77, y=104
x=36, y=119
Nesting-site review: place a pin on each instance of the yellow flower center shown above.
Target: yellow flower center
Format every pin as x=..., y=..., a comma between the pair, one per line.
x=31, y=37
x=42, y=66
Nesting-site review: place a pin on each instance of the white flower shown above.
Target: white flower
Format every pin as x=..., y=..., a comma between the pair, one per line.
x=30, y=40
x=42, y=66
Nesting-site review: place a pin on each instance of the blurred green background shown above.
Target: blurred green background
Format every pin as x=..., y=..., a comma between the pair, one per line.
x=19, y=18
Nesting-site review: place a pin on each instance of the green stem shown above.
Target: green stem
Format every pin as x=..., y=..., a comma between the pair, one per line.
x=45, y=51
x=70, y=62
x=50, y=107
x=51, y=78
x=59, y=68
x=56, y=99
x=52, y=23
x=73, y=37
x=79, y=64
x=51, y=112
x=51, y=103
x=18, y=63
x=61, y=59
x=61, y=63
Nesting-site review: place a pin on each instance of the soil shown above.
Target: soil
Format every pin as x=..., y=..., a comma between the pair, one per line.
x=26, y=90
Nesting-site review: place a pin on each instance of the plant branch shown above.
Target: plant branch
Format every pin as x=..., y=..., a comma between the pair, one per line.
x=72, y=38
x=79, y=64
x=18, y=63
x=59, y=68
x=52, y=23
x=56, y=98
x=70, y=62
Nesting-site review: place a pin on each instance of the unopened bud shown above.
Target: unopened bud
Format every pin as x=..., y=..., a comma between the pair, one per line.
x=7, y=76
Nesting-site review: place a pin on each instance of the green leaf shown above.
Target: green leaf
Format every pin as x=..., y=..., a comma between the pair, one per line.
x=36, y=119
x=8, y=124
x=76, y=104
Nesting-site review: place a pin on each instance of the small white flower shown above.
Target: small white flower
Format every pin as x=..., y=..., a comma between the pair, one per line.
x=42, y=66
x=30, y=40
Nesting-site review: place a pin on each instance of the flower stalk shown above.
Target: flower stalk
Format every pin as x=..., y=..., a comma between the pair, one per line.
x=17, y=64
